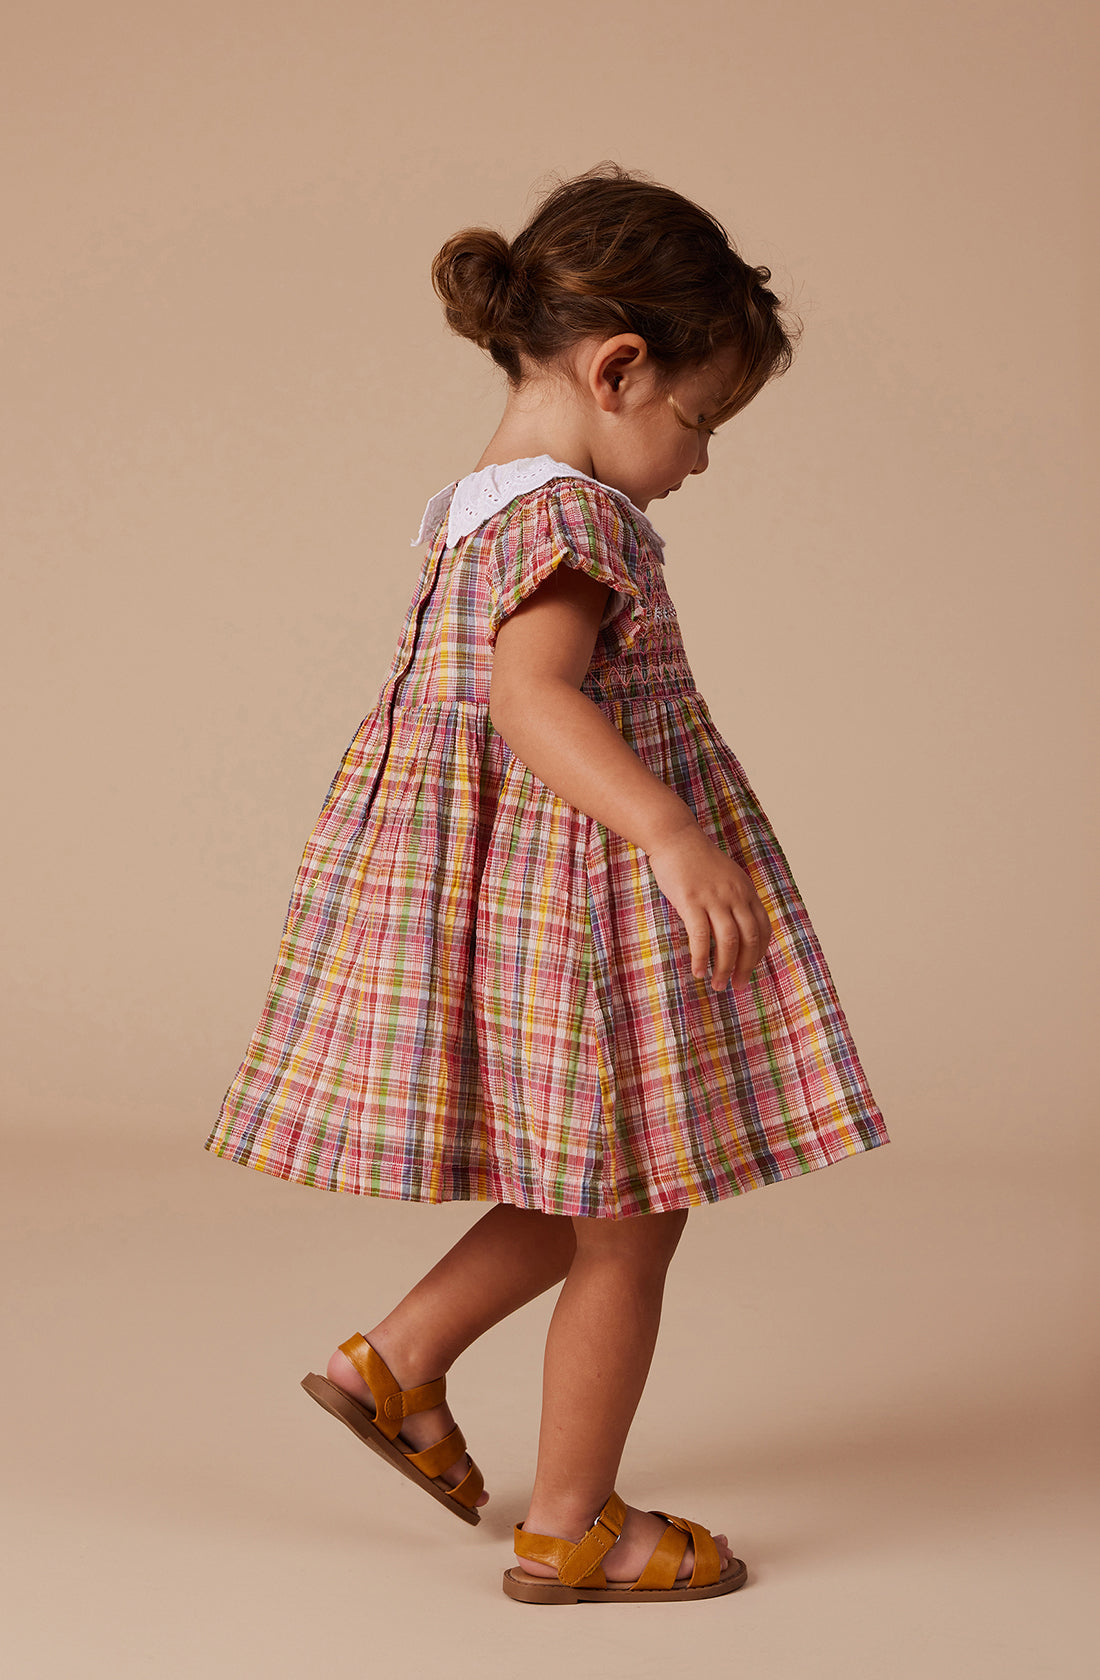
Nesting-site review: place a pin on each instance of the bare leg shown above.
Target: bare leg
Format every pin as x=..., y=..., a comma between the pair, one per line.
x=508, y=1258
x=598, y=1352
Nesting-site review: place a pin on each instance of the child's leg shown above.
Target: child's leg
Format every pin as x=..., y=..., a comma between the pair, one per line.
x=508, y=1258
x=598, y=1352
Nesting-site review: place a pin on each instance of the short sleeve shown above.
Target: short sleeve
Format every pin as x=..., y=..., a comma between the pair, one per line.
x=576, y=525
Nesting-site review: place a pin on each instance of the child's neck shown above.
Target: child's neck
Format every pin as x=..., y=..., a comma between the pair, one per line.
x=524, y=434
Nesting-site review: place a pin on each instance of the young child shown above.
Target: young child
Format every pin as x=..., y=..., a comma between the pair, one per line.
x=492, y=983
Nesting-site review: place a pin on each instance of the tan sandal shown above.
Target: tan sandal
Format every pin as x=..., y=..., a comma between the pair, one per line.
x=380, y=1429
x=582, y=1580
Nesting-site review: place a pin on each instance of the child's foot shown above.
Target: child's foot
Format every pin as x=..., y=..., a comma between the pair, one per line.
x=631, y=1551
x=419, y=1430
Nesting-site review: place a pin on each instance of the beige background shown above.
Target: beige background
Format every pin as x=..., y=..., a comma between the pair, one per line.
x=228, y=393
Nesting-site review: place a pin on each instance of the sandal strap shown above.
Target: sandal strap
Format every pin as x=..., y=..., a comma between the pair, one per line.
x=577, y=1562
x=550, y=1549
x=664, y=1560
x=469, y=1488
x=708, y=1565
x=392, y=1404
x=419, y=1399
x=440, y=1455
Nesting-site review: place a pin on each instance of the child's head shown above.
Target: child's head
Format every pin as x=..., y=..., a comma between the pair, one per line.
x=610, y=253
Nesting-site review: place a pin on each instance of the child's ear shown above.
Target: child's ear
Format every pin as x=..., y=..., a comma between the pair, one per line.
x=615, y=361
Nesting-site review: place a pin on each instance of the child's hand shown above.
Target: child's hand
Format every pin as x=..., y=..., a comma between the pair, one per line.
x=714, y=899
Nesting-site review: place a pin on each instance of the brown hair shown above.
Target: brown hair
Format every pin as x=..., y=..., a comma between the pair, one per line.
x=609, y=252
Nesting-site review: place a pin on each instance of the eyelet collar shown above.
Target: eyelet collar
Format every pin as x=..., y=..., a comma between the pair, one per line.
x=470, y=501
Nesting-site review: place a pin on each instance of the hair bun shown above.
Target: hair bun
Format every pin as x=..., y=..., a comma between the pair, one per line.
x=474, y=276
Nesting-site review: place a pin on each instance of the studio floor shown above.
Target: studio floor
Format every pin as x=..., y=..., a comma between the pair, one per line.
x=871, y=1382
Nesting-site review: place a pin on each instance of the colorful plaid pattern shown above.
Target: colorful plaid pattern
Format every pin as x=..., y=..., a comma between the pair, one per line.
x=480, y=992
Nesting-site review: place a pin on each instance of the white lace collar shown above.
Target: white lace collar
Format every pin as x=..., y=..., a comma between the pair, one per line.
x=474, y=499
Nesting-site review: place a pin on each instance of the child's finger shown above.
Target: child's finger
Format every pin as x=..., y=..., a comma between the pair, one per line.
x=727, y=949
x=698, y=932
x=752, y=945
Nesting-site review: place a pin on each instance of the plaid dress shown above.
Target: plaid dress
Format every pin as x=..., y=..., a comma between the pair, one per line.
x=480, y=992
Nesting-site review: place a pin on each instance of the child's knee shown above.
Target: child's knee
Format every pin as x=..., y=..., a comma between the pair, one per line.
x=646, y=1239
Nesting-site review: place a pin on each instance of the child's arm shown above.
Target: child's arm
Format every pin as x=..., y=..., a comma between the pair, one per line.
x=542, y=652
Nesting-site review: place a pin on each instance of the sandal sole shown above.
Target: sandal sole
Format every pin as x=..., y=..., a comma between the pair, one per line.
x=362, y=1424
x=540, y=1589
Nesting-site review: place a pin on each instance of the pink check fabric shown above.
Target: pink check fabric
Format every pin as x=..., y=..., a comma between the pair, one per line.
x=480, y=992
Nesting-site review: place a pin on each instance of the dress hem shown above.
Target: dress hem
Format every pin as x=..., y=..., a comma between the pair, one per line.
x=672, y=1203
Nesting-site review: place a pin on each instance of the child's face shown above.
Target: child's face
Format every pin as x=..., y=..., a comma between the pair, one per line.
x=655, y=453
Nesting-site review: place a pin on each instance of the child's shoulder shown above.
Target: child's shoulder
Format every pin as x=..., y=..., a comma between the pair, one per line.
x=581, y=510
